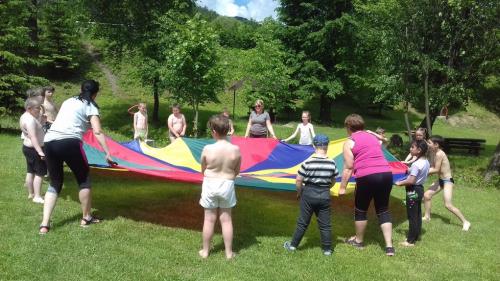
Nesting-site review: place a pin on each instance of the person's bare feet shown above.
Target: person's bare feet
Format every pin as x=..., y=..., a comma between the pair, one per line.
x=406, y=244
x=424, y=218
x=230, y=256
x=203, y=254
x=466, y=226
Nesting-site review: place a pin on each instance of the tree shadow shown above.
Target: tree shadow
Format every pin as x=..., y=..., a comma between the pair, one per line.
x=258, y=213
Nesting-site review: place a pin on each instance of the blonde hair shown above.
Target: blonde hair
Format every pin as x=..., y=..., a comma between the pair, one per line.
x=259, y=102
x=354, y=123
x=308, y=115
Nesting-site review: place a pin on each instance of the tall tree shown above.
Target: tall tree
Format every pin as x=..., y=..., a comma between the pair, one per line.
x=133, y=26
x=17, y=59
x=191, y=70
x=59, y=39
x=313, y=34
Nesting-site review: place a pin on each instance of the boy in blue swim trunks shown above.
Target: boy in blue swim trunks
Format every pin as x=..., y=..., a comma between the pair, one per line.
x=442, y=167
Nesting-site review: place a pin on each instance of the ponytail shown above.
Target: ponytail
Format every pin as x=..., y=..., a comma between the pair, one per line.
x=88, y=89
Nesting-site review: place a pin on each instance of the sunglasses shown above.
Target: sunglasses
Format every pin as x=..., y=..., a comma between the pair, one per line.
x=258, y=105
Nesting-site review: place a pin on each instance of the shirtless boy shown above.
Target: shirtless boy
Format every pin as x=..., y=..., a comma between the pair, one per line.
x=49, y=106
x=220, y=164
x=33, y=134
x=442, y=167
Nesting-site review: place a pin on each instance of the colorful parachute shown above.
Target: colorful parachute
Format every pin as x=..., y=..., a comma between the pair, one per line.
x=266, y=163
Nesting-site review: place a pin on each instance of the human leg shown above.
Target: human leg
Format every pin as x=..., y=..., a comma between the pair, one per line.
x=303, y=221
x=414, y=212
x=362, y=198
x=323, y=215
x=37, y=187
x=56, y=174
x=382, y=186
x=433, y=190
x=226, y=223
x=208, y=231
x=28, y=183
x=447, y=196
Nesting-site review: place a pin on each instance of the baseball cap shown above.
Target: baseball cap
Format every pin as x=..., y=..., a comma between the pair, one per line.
x=321, y=140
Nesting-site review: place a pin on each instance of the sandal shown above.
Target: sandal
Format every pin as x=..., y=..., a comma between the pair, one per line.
x=86, y=222
x=389, y=251
x=44, y=229
x=352, y=241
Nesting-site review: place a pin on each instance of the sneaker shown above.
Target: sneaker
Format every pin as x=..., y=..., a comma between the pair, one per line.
x=38, y=200
x=327, y=252
x=288, y=246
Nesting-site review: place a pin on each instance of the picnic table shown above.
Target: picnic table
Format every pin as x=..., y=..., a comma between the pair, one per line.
x=472, y=146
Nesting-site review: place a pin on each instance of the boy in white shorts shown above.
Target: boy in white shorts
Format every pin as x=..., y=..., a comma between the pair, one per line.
x=220, y=164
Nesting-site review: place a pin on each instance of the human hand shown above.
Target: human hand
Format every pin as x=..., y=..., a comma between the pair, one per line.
x=342, y=191
x=110, y=160
x=42, y=155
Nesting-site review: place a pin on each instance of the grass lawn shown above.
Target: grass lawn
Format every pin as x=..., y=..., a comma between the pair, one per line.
x=152, y=232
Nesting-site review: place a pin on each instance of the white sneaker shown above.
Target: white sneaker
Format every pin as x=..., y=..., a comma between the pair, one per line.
x=38, y=200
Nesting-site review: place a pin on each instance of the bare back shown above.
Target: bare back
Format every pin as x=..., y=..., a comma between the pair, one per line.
x=221, y=160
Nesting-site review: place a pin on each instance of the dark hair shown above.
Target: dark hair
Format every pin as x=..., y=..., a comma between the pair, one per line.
x=354, y=123
x=422, y=145
x=49, y=88
x=219, y=124
x=437, y=139
x=88, y=89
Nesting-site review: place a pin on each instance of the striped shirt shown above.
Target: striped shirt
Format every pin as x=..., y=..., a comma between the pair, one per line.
x=319, y=171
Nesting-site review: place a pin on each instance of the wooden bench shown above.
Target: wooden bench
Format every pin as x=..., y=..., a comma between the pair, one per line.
x=473, y=146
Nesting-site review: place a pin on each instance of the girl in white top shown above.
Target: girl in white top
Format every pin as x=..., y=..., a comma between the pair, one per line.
x=176, y=123
x=306, y=130
x=140, y=121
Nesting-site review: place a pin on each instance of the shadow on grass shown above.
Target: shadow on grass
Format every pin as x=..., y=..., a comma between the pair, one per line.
x=258, y=214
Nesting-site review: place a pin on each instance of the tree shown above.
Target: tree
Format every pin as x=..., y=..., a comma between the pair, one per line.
x=316, y=35
x=494, y=166
x=59, y=39
x=133, y=27
x=17, y=59
x=191, y=71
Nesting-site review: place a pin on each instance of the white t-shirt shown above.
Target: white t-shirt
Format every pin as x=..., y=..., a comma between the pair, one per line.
x=306, y=133
x=72, y=121
x=420, y=169
x=29, y=123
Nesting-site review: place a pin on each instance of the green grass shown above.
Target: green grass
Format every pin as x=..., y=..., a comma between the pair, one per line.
x=152, y=232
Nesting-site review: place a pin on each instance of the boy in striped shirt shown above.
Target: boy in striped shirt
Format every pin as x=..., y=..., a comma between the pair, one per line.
x=314, y=180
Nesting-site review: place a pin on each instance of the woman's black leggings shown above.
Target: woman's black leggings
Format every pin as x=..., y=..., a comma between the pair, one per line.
x=70, y=151
x=377, y=187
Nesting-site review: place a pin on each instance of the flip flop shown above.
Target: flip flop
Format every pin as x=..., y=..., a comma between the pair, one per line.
x=86, y=222
x=352, y=241
x=45, y=231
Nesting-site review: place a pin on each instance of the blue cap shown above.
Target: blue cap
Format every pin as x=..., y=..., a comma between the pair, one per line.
x=321, y=140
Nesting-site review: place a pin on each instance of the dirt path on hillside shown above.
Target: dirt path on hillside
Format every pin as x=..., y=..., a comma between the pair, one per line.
x=112, y=79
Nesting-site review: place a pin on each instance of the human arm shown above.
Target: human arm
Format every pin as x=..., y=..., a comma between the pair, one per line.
x=135, y=121
x=409, y=159
x=247, y=131
x=131, y=108
x=299, y=181
x=97, y=130
x=231, y=128
x=270, y=128
x=238, y=163
x=313, y=134
x=293, y=135
x=203, y=161
x=184, y=126
x=410, y=180
x=348, y=165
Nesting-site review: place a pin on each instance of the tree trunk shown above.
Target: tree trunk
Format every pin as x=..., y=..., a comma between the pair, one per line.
x=325, y=109
x=407, y=120
x=195, y=121
x=426, y=94
x=156, y=105
x=494, y=166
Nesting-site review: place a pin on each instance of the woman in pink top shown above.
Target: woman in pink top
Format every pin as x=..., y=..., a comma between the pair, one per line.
x=363, y=155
